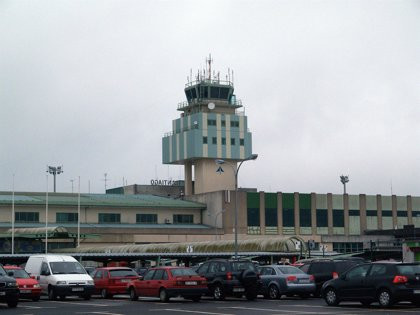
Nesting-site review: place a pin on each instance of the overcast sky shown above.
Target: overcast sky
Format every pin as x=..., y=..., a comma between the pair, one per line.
x=329, y=88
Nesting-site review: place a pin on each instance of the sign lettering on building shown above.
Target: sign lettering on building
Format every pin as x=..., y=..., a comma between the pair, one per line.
x=165, y=182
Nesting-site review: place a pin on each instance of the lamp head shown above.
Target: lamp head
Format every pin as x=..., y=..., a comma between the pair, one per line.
x=219, y=161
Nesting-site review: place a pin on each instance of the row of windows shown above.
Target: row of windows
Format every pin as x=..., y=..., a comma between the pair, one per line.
x=63, y=217
x=212, y=122
x=232, y=141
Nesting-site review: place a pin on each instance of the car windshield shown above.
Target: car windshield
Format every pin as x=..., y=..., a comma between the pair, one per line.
x=243, y=265
x=290, y=270
x=19, y=274
x=410, y=270
x=122, y=273
x=67, y=267
x=183, y=272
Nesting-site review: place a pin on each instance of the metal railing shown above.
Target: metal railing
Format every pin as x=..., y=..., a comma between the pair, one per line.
x=211, y=81
x=200, y=101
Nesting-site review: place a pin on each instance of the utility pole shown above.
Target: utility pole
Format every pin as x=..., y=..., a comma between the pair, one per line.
x=344, y=179
x=55, y=170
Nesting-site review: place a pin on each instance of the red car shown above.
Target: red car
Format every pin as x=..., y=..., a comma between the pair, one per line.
x=29, y=288
x=167, y=282
x=113, y=280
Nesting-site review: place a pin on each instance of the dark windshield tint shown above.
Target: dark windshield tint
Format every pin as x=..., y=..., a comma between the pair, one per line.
x=122, y=273
x=67, y=267
x=19, y=273
x=409, y=270
x=290, y=270
x=183, y=272
x=342, y=266
x=243, y=265
x=322, y=267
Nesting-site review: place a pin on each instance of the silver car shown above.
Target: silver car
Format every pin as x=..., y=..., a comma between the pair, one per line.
x=278, y=280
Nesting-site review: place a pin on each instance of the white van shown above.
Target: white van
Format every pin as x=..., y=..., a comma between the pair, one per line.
x=60, y=276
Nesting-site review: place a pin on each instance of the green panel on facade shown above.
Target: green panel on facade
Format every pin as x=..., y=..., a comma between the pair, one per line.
x=305, y=201
x=288, y=201
x=253, y=200
x=270, y=200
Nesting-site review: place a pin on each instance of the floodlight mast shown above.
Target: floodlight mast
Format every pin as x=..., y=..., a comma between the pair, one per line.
x=55, y=170
x=344, y=179
x=236, y=171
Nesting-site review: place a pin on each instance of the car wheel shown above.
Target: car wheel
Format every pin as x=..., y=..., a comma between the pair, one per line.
x=163, y=295
x=51, y=294
x=331, y=297
x=218, y=293
x=104, y=294
x=251, y=295
x=12, y=302
x=133, y=294
x=385, y=298
x=36, y=298
x=273, y=292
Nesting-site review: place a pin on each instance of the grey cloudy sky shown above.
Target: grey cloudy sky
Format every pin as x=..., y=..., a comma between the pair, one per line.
x=329, y=87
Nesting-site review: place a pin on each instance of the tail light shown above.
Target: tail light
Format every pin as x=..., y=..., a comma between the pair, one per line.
x=400, y=279
x=311, y=278
x=335, y=275
x=204, y=282
x=291, y=279
x=229, y=276
x=180, y=282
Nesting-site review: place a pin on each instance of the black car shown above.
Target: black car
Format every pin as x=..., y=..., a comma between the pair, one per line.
x=231, y=278
x=384, y=282
x=327, y=269
x=9, y=291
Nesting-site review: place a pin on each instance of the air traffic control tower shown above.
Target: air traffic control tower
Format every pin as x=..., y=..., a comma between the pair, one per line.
x=211, y=127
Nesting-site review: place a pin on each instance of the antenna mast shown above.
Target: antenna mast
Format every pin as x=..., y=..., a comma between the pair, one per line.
x=209, y=61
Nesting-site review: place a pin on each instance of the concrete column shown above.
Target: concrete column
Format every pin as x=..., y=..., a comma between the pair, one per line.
x=362, y=207
x=188, y=178
x=394, y=211
x=313, y=213
x=280, y=212
x=330, y=214
x=346, y=214
x=262, y=212
x=409, y=210
x=379, y=207
x=297, y=221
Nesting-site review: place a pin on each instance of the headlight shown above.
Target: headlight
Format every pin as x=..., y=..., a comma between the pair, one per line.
x=36, y=285
x=12, y=284
x=61, y=282
x=90, y=282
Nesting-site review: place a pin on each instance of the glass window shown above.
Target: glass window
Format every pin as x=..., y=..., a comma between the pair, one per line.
x=232, y=141
x=234, y=123
x=44, y=268
x=183, y=219
x=357, y=272
x=322, y=267
x=183, y=272
x=223, y=141
x=338, y=218
x=253, y=217
x=387, y=213
x=67, y=267
x=321, y=217
x=214, y=266
x=409, y=269
x=223, y=123
x=288, y=217
x=204, y=140
x=289, y=270
x=98, y=274
x=203, y=268
x=305, y=268
x=144, y=218
x=211, y=122
x=19, y=273
x=158, y=274
x=305, y=217
x=354, y=213
x=26, y=216
x=401, y=213
x=214, y=140
x=377, y=270
x=149, y=275
x=243, y=265
x=270, y=217
x=122, y=273
x=64, y=217
x=109, y=218
x=242, y=142
x=267, y=271
x=371, y=213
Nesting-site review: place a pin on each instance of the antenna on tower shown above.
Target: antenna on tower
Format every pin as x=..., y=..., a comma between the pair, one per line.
x=232, y=77
x=209, y=61
x=105, y=180
x=228, y=74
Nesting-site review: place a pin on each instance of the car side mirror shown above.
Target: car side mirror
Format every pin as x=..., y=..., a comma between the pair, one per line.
x=45, y=273
x=33, y=277
x=10, y=273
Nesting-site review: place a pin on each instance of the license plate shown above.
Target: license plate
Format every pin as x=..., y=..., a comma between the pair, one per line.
x=238, y=290
x=416, y=291
x=304, y=281
x=25, y=291
x=2, y=293
x=190, y=282
x=77, y=289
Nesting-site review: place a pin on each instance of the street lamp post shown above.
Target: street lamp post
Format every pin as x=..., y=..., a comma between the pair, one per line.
x=236, y=171
x=215, y=221
x=344, y=180
x=55, y=170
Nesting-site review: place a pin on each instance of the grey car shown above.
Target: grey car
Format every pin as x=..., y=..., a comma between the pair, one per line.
x=278, y=280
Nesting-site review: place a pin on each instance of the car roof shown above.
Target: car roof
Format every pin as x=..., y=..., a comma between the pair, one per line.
x=169, y=267
x=12, y=267
x=115, y=268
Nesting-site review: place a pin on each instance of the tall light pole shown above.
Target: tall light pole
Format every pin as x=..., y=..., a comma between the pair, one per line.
x=344, y=179
x=54, y=170
x=215, y=220
x=236, y=171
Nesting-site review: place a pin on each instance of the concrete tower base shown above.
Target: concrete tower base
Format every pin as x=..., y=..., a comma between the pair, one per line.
x=207, y=178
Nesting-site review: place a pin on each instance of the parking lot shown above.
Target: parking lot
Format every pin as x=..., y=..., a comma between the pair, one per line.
x=232, y=306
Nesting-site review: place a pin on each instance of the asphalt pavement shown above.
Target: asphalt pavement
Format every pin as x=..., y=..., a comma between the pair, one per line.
x=121, y=305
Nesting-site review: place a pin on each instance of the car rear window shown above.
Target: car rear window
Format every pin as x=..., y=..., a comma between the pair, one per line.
x=243, y=265
x=410, y=270
x=320, y=267
x=183, y=272
x=342, y=266
x=290, y=270
x=122, y=273
x=20, y=273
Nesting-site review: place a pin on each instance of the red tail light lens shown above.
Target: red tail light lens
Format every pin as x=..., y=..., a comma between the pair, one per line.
x=229, y=276
x=311, y=278
x=291, y=279
x=335, y=275
x=400, y=279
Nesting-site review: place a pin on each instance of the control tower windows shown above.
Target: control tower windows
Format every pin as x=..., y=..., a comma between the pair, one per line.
x=204, y=140
x=223, y=141
x=211, y=122
x=242, y=142
x=223, y=123
x=232, y=141
x=214, y=140
x=234, y=123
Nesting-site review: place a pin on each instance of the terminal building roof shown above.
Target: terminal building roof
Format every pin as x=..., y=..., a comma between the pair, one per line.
x=98, y=200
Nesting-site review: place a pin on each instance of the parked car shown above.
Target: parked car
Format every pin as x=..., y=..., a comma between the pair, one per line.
x=327, y=269
x=9, y=291
x=113, y=280
x=280, y=280
x=60, y=275
x=231, y=278
x=167, y=282
x=384, y=282
x=90, y=270
x=141, y=270
x=29, y=287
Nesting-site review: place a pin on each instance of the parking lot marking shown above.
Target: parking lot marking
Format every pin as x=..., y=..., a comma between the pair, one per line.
x=274, y=310
x=103, y=313
x=81, y=303
x=188, y=311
